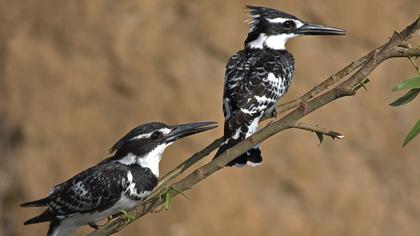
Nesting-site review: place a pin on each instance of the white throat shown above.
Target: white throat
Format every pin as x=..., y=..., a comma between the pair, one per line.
x=276, y=42
x=151, y=160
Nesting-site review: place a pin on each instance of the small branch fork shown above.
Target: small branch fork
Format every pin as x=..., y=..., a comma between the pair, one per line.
x=345, y=82
x=317, y=129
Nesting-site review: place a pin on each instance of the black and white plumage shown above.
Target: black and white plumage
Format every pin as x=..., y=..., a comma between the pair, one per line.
x=260, y=74
x=115, y=184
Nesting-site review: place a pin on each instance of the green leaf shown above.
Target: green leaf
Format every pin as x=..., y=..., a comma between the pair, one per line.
x=320, y=137
x=413, y=83
x=413, y=133
x=168, y=200
x=406, y=98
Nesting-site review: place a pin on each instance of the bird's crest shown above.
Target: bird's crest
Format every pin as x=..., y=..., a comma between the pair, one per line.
x=257, y=14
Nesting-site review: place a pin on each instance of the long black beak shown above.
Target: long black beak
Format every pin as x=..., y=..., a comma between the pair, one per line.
x=315, y=29
x=180, y=131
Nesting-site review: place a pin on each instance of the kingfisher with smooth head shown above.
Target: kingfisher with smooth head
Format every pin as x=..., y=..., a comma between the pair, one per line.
x=260, y=74
x=114, y=185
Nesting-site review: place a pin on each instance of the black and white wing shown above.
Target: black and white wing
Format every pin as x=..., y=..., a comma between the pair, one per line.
x=247, y=93
x=254, y=83
x=92, y=190
x=235, y=71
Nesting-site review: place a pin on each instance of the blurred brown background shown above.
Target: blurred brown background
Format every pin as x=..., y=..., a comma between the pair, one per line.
x=76, y=75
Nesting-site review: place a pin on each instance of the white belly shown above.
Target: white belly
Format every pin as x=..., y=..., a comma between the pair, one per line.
x=70, y=224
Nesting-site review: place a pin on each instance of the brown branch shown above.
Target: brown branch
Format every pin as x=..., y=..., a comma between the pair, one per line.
x=324, y=85
x=317, y=129
x=404, y=52
x=319, y=96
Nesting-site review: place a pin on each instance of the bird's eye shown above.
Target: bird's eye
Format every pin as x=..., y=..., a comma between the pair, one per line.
x=156, y=135
x=288, y=24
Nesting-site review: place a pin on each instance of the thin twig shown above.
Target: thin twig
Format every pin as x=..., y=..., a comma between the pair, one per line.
x=317, y=129
x=414, y=64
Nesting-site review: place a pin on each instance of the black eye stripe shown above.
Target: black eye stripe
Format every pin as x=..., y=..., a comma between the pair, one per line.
x=289, y=24
x=156, y=135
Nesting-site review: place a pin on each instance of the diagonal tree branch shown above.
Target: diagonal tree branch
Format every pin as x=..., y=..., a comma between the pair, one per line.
x=319, y=96
x=324, y=85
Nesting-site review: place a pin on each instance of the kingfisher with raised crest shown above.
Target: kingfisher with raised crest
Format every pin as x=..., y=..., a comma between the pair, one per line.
x=114, y=185
x=260, y=74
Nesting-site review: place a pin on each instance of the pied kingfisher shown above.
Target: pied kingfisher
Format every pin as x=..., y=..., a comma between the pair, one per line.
x=260, y=74
x=116, y=184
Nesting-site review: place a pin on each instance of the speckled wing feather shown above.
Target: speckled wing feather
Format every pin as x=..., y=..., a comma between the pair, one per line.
x=94, y=189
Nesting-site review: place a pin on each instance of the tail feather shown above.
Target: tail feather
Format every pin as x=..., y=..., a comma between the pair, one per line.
x=36, y=203
x=254, y=157
x=251, y=158
x=57, y=228
x=238, y=162
x=43, y=217
x=245, y=126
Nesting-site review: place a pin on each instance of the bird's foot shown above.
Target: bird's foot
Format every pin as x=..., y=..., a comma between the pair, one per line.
x=274, y=112
x=97, y=226
x=126, y=216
